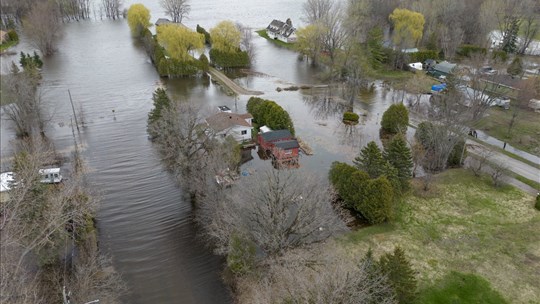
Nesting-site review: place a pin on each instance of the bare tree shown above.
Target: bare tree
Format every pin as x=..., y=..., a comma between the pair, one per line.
x=111, y=8
x=318, y=276
x=477, y=163
x=246, y=44
x=530, y=24
x=499, y=172
x=36, y=222
x=277, y=210
x=42, y=26
x=315, y=10
x=177, y=9
x=24, y=101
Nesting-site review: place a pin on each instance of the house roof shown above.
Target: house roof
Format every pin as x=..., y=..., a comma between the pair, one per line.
x=276, y=135
x=161, y=21
x=221, y=121
x=287, y=144
x=283, y=28
x=445, y=67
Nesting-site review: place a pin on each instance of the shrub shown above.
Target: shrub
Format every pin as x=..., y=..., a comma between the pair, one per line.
x=241, y=257
x=422, y=56
x=238, y=59
x=269, y=113
x=372, y=198
x=207, y=39
x=516, y=67
x=12, y=35
x=395, y=119
x=350, y=117
x=537, y=205
x=500, y=55
x=466, y=50
x=203, y=61
x=455, y=159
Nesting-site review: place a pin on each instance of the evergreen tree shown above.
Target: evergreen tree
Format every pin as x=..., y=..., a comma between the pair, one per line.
x=399, y=156
x=374, y=272
x=161, y=100
x=370, y=160
x=400, y=274
x=395, y=119
x=375, y=47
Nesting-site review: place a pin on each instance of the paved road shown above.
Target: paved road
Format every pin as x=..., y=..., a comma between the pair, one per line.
x=222, y=78
x=513, y=165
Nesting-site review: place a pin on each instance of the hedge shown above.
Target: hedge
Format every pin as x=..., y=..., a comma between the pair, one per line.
x=238, y=59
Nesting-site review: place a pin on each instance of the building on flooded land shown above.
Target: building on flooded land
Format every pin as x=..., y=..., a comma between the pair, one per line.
x=282, y=31
x=281, y=147
x=236, y=125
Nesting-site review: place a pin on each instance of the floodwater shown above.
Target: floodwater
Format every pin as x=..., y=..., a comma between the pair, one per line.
x=144, y=223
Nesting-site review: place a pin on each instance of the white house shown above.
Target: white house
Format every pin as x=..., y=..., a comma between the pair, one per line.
x=282, y=31
x=236, y=125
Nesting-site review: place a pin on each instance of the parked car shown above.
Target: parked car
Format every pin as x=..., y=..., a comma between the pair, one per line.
x=488, y=70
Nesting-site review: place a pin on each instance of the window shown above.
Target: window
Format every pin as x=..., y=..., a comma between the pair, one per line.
x=244, y=132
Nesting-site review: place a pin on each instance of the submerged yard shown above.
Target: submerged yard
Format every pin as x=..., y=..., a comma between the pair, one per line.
x=464, y=224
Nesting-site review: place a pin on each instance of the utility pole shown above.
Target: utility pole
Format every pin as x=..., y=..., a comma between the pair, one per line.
x=73, y=108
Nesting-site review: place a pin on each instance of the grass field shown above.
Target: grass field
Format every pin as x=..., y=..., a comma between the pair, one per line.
x=525, y=133
x=465, y=225
x=7, y=45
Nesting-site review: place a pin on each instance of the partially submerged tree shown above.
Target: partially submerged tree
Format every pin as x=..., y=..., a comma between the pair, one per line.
x=180, y=42
x=138, y=18
x=176, y=9
x=277, y=210
x=42, y=26
x=395, y=119
x=24, y=109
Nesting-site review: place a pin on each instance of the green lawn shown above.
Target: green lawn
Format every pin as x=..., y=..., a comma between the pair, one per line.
x=7, y=45
x=464, y=225
x=263, y=34
x=525, y=134
x=461, y=288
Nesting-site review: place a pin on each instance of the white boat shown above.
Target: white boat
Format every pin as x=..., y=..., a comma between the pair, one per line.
x=7, y=181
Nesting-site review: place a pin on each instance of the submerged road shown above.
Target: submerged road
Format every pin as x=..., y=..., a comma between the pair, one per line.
x=226, y=81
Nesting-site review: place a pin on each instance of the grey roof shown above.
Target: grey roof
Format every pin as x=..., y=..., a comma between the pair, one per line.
x=161, y=21
x=445, y=67
x=276, y=135
x=223, y=120
x=280, y=27
x=287, y=144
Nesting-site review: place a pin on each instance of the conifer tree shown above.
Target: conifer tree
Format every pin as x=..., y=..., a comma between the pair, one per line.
x=400, y=274
x=399, y=156
x=370, y=160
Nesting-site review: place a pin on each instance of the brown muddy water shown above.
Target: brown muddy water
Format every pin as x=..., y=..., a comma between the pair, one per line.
x=144, y=223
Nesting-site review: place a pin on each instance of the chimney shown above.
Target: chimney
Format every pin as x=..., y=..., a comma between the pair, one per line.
x=289, y=22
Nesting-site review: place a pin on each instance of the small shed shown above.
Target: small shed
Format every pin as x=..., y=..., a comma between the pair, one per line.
x=442, y=69
x=267, y=140
x=286, y=150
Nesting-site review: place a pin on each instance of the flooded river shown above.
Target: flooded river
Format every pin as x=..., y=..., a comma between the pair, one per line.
x=144, y=223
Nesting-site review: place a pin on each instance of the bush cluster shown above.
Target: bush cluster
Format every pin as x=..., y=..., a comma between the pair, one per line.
x=467, y=50
x=12, y=35
x=169, y=67
x=350, y=117
x=269, y=113
x=422, y=56
x=207, y=38
x=238, y=59
x=395, y=119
